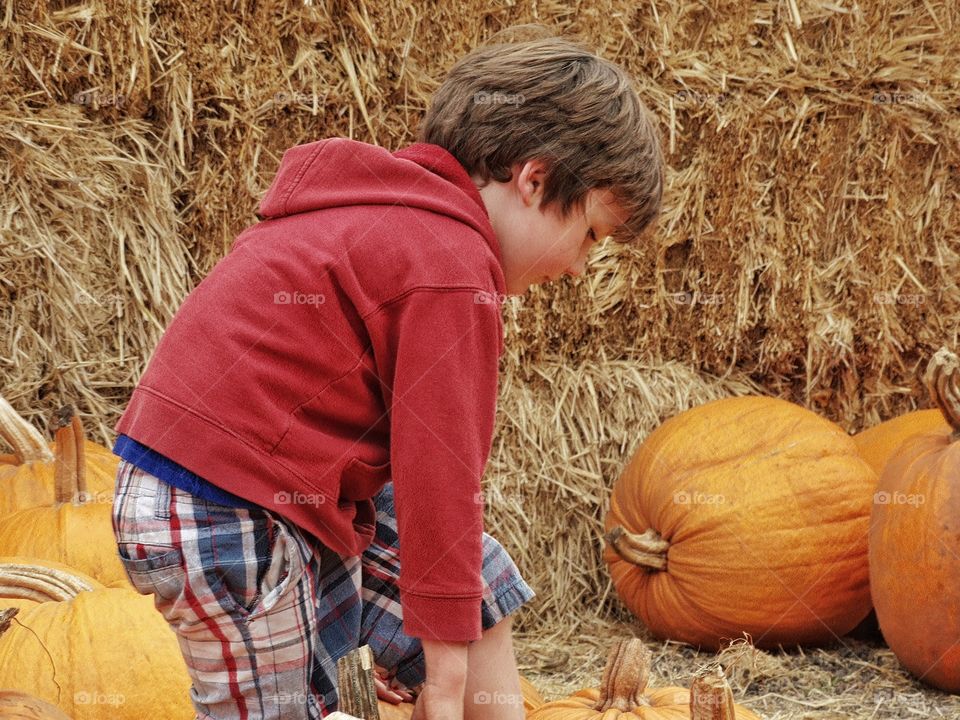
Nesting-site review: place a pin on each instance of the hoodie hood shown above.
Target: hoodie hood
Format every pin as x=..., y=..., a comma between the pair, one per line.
x=338, y=172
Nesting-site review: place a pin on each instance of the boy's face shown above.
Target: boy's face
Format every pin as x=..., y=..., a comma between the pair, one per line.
x=539, y=246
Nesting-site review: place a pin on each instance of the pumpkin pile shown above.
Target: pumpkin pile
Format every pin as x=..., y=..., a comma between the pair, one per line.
x=75, y=525
x=754, y=515
x=623, y=694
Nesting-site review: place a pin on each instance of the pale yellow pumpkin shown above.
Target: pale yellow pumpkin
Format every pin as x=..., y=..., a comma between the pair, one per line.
x=103, y=653
x=27, y=476
x=76, y=529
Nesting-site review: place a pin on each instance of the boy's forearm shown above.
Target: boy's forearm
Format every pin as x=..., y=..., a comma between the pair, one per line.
x=446, y=663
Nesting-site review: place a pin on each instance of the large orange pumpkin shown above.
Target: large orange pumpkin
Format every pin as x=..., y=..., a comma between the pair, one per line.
x=915, y=541
x=78, y=528
x=102, y=653
x=743, y=515
x=878, y=443
x=27, y=476
x=623, y=695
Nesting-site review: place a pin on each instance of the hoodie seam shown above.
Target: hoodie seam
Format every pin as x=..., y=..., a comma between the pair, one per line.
x=429, y=288
x=300, y=173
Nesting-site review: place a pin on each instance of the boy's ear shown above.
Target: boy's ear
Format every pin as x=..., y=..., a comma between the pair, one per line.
x=530, y=177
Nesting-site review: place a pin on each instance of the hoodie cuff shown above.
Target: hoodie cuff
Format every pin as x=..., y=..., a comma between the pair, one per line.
x=441, y=618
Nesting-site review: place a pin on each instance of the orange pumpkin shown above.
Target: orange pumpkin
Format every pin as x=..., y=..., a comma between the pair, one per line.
x=623, y=694
x=77, y=529
x=878, y=443
x=27, y=476
x=746, y=514
x=915, y=540
x=16, y=705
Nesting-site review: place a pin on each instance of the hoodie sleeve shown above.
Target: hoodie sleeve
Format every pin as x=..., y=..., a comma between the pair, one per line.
x=437, y=354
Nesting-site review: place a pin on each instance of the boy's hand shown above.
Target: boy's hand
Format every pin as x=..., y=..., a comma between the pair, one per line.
x=442, y=694
x=381, y=679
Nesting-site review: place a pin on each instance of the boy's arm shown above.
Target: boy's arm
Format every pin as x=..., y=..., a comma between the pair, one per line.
x=437, y=354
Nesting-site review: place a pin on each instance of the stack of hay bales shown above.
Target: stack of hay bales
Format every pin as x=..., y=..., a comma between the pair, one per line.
x=808, y=246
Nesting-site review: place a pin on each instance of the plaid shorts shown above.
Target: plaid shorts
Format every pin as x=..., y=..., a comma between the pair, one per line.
x=262, y=610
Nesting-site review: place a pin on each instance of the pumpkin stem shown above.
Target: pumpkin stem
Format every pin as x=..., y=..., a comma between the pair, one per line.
x=942, y=379
x=70, y=470
x=711, y=697
x=6, y=615
x=625, y=677
x=37, y=582
x=647, y=550
x=27, y=443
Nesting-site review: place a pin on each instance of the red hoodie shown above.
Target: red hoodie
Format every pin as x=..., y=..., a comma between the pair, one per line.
x=349, y=338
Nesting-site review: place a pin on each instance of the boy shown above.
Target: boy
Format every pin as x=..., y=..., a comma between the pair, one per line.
x=302, y=457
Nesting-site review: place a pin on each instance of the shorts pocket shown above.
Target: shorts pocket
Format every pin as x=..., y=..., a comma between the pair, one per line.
x=277, y=572
x=153, y=569
x=280, y=583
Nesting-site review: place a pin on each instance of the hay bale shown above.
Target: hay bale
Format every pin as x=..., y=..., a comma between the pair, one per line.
x=93, y=265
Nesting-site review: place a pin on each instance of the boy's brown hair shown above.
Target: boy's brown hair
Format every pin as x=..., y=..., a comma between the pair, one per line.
x=550, y=98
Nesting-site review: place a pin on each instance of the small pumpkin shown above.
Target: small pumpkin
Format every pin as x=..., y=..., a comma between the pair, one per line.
x=878, y=443
x=16, y=705
x=915, y=540
x=76, y=529
x=27, y=475
x=102, y=653
x=746, y=514
x=623, y=694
